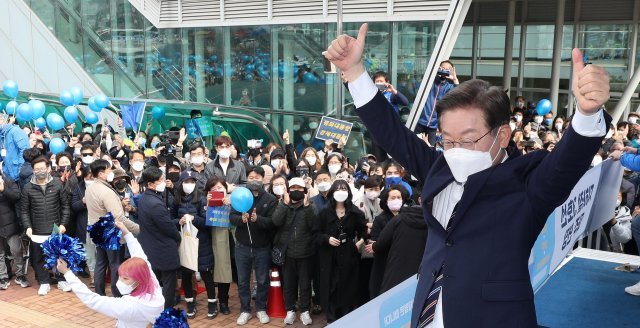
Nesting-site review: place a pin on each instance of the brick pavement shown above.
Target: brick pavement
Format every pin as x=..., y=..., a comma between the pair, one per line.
x=22, y=307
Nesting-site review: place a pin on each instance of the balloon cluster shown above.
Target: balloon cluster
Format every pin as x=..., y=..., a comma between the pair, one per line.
x=65, y=247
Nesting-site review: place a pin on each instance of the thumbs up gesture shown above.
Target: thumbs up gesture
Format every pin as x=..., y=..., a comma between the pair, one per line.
x=590, y=85
x=346, y=53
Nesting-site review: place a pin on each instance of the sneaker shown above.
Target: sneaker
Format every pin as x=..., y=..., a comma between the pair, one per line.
x=44, y=289
x=212, y=310
x=263, y=317
x=64, y=286
x=305, y=317
x=633, y=290
x=191, y=309
x=243, y=318
x=22, y=281
x=4, y=284
x=290, y=318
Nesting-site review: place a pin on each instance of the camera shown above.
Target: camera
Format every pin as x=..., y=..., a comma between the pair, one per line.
x=303, y=172
x=254, y=143
x=381, y=87
x=528, y=144
x=443, y=73
x=343, y=238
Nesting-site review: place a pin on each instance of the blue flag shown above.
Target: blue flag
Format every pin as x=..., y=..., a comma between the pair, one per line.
x=132, y=115
x=198, y=129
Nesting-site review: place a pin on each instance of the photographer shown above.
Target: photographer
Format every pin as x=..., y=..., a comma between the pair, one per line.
x=254, y=154
x=394, y=97
x=445, y=81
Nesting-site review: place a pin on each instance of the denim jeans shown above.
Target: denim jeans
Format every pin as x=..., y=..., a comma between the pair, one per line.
x=246, y=257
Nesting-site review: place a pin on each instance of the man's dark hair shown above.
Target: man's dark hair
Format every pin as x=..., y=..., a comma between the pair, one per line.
x=40, y=159
x=323, y=171
x=64, y=154
x=223, y=140
x=99, y=165
x=195, y=113
x=622, y=125
x=86, y=146
x=30, y=154
x=256, y=169
x=381, y=74
x=86, y=171
x=151, y=175
x=196, y=146
x=137, y=151
x=446, y=61
x=492, y=101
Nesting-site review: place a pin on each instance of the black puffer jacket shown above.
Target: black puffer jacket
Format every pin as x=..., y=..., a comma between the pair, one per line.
x=42, y=208
x=257, y=234
x=8, y=198
x=298, y=221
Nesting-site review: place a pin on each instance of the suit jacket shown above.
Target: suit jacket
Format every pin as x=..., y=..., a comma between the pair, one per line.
x=503, y=209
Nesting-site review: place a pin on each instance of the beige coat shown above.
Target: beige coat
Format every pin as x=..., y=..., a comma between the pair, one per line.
x=221, y=255
x=102, y=199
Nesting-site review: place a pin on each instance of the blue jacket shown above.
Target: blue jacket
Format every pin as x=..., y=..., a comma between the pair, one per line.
x=501, y=213
x=429, y=117
x=631, y=161
x=15, y=141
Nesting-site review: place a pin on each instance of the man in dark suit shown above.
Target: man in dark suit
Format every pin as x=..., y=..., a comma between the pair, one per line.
x=484, y=205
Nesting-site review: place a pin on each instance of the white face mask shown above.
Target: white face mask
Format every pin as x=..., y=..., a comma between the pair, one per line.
x=188, y=188
x=618, y=202
x=633, y=120
x=76, y=151
x=225, y=153
x=372, y=195
x=512, y=126
x=88, y=160
x=88, y=183
x=340, y=195
x=313, y=125
x=275, y=163
x=334, y=168
x=518, y=118
x=161, y=186
x=559, y=126
x=324, y=186
x=137, y=166
x=110, y=177
x=197, y=160
x=312, y=160
x=124, y=289
x=296, y=127
x=395, y=205
x=278, y=190
x=464, y=162
x=538, y=119
x=306, y=137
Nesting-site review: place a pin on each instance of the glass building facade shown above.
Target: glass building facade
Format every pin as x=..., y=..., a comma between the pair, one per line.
x=277, y=70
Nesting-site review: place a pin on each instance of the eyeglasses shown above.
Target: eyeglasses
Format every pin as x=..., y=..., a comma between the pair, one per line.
x=465, y=143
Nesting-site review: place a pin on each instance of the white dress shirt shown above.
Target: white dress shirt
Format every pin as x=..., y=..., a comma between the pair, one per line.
x=363, y=90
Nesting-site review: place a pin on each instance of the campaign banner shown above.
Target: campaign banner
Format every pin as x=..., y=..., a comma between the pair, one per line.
x=218, y=216
x=199, y=127
x=333, y=129
x=393, y=309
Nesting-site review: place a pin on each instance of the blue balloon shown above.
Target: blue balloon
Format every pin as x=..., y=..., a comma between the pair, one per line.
x=77, y=95
x=10, y=88
x=157, y=112
x=57, y=145
x=71, y=114
x=249, y=68
x=544, y=107
x=309, y=78
x=55, y=121
x=24, y=112
x=37, y=107
x=66, y=98
x=213, y=58
x=249, y=77
x=91, y=118
x=93, y=106
x=11, y=107
x=41, y=123
x=101, y=100
x=241, y=199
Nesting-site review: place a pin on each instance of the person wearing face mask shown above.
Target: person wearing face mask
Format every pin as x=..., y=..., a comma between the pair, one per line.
x=136, y=165
x=190, y=204
x=303, y=171
x=558, y=127
x=26, y=171
x=101, y=198
x=198, y=162
x=87, y=154
x=254, y=230
x=339, y=226
x=231, y=170
x=159, y=236
x=122, y=185
x=518, y=115
x=278, y=186
x=79, y=211
x=141, y=302
x=547, y=123
x=294, y=219
x=391, y=201
x=279, y=163
x=519, y=104
x=310, y=154
x=308, y=139
x=65, y=171
x=462, y=222
x=44, y=202
x=323, y=184
x=13, y=142
x=334, y=163
x=393, y=96
x=10, y=232
x=633, y=118
x=393, y=173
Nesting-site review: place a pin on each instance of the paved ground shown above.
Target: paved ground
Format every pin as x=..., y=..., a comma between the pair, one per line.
x=22, y=307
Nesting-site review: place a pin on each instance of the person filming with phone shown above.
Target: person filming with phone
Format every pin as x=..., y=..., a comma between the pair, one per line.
x=394, y=97
x=445, y=81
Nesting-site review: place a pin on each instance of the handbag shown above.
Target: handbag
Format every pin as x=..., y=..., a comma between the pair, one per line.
x=188, y=248
x=279, y=252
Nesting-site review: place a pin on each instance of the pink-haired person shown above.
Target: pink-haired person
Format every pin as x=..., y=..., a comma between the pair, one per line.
x=141, y=302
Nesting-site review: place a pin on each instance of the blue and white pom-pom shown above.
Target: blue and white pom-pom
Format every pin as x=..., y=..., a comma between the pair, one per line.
x=172, y=318
x=65, y=247
x=105, y=234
